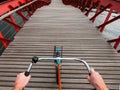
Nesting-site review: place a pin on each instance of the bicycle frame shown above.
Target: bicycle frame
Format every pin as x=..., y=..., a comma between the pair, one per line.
x=57, y=58
x=58, y=64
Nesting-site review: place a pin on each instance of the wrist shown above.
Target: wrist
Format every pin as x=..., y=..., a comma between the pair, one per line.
x=17, y=88
x=101, y=88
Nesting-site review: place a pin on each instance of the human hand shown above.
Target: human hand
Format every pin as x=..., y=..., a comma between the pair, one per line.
x=21, y=81
x=96, y=80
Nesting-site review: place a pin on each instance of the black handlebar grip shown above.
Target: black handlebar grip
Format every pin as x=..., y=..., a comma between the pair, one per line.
x=89, y=74
x=27, y=73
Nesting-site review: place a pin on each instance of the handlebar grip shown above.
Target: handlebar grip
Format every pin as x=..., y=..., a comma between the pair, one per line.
x=27, y=73
x=89, y=74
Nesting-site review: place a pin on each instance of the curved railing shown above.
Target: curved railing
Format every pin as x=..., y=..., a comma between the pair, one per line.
x=19, y=7
x=100, y=5
x=9, y=7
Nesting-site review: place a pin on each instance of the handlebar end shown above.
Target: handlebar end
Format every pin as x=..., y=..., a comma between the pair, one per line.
x=34, y=59
x=27, y=73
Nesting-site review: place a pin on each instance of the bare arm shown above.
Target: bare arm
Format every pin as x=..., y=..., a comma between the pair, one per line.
x=21, y=81
x=96, y=80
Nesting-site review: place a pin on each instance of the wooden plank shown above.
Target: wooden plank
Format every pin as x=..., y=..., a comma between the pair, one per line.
x=65, y=26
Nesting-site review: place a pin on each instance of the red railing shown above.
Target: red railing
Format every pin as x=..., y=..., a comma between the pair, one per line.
x=116, y=41
x=101, y=6
x=9, y=7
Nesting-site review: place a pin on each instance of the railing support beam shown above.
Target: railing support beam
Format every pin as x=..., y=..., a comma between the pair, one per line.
x=117, y=42
x=12, y=22
x=108, y=6
x=110, y=21
x=4, y=40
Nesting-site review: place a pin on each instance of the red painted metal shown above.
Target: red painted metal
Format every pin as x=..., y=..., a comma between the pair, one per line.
x=31, y=6
x=80, y=4
x=4, y=7
x=22, y=15
x=28, y=11
x=117, y=42
x=92, y=5
x=19, y=13
x=59, y=79
x=110, y=21
x=12, y=22
x=10, y=5
x=4, y=40
x=85, y=5
x=98, y=13
x=113, y=5
x=98, y=9
x=106, y=20
x=118, y=51
x=109, y=4
x=87, y=13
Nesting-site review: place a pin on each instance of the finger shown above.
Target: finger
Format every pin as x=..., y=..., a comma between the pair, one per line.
x=97, y=73
x=20, y=73
x=88, y=77
x=92, y=70
x=29, y=76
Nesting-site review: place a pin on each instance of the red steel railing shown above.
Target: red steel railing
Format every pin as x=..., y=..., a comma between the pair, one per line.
x=116, y=41
x=9, y=7
x=113, y=5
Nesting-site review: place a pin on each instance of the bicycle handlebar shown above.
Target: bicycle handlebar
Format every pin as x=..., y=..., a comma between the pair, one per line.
x=76, y=59
x=35, y=60
x=28, y=70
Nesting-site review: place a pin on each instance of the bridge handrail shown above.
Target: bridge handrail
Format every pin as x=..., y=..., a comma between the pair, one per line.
x=9, y=7
x=88, y=5
x=17, y=9
x=5, y=6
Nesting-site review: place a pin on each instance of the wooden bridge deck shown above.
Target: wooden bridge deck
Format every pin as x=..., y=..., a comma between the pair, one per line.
x=65, y=26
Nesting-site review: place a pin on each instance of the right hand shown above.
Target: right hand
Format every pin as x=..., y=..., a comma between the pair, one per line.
x=96, y=80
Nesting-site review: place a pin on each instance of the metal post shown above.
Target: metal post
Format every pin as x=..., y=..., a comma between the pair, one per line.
x=85, y=5
x=90, y=8
x=98, y=8
x=81, y=3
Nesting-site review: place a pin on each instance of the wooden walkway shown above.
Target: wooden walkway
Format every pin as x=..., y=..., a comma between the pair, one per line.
x=65, y=26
